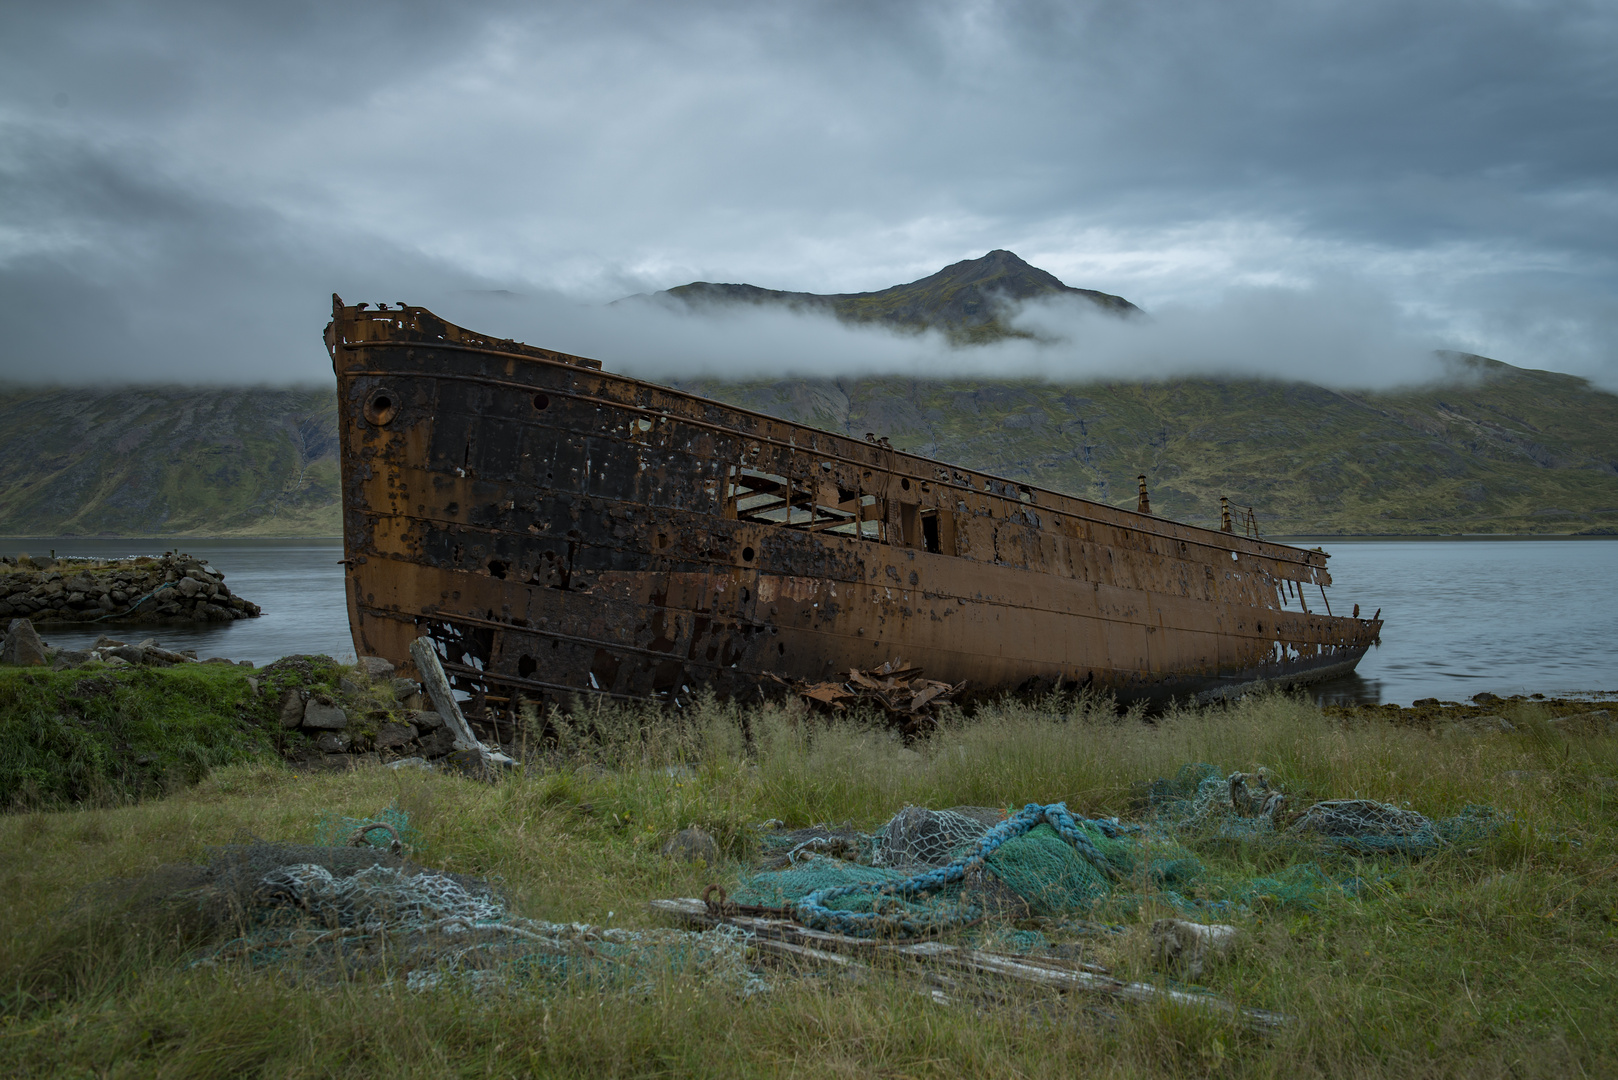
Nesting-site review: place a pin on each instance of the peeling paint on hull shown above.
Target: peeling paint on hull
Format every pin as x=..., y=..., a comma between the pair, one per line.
x=559, y=530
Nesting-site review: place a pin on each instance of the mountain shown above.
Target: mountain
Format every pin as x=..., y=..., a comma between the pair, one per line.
x=1495, y=449
x=167, y=461
x=967, y=300
x=1491, y=449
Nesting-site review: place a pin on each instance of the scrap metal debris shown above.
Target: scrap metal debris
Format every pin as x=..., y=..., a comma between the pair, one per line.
x=896, y=688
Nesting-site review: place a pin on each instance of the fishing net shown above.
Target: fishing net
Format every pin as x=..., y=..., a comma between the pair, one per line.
x=927, y=871
x=326, y=913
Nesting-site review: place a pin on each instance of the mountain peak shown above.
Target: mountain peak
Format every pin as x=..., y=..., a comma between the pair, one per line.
x=965, y=300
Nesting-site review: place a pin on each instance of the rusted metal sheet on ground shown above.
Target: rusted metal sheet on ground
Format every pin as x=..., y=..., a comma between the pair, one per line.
x=559, y=530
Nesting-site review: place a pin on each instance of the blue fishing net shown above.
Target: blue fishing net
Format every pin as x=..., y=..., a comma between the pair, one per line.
x=1046, y=862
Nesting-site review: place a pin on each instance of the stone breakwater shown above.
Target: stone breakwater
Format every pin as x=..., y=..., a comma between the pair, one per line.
x=171, y=588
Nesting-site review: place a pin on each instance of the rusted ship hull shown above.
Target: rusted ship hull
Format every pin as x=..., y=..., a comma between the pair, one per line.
x=559, y=530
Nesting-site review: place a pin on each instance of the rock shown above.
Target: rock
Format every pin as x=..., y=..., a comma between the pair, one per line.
x=1472, y=726
x=1421, y=702
x=333, y=742
x=391, y=736
x=291, y=709
x=69, y=658
x=22, y=646
x=692, y=845
x=130, y=654
x=189, y=587
x=1189, y=946
x=405, y=689
x=375, y=667
x=471, y=763
x=404, y=764
x=324, y=716
x=437, y=743
x=1595, y=722
x=1485, y=699
x=348, y=687
x=117, y=661
x=424, y=719
x=105, y=642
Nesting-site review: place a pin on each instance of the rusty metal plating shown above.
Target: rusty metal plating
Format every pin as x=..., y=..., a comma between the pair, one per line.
x=559, y=530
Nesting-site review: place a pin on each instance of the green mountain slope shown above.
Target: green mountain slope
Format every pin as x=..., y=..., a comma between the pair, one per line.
x=168, y=461
x=966, y=300
x=1493, y=449
x=1498, y=450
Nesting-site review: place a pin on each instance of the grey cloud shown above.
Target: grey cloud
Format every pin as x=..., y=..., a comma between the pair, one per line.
x=1456, y=158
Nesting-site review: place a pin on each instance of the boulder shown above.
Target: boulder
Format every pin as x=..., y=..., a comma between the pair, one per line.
x=391, y=736
x=437, y=743
x=22, y=646
x=375, y=667
x=425, y=719
x=405, y=689
x=324, y=716
x=333, y=742
x=1469, y=727
x=291, y=709
x=692, y=845
x=189, y=587
x=129, y=654
x=1188, y=946
x=348, y=687
x=1594, y=722
x=105, y=642
x=69, y=658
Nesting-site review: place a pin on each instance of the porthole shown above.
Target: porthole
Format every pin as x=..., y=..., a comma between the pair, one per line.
x=904, y=482
x=747, y=554
x=541, y=402
x=381, y=406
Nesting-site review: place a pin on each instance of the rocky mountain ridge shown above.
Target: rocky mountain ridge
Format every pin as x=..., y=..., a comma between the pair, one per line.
x=967, y=300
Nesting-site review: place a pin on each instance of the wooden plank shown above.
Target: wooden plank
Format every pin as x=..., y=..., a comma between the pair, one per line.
x=1087, y=979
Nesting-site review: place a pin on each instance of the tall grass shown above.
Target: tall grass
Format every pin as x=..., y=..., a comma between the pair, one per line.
x=1494, y=960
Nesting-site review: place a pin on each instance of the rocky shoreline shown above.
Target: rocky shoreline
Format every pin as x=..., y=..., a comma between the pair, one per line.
x=324, y=715
x=321, y=715
x=168, y=588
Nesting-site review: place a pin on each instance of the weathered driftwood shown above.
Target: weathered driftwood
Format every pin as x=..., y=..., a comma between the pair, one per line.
x=1086, y=978
x=432, y=677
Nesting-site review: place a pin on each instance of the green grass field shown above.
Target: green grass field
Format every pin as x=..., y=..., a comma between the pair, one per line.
x=1499, y=959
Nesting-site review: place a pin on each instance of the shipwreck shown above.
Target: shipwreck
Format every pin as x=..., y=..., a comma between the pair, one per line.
x=559, y=531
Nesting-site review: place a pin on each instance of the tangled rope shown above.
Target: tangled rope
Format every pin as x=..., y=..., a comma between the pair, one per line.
x=893, y=920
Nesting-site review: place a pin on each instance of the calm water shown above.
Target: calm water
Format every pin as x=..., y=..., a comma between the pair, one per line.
x=1463, y=616
x=298, y=583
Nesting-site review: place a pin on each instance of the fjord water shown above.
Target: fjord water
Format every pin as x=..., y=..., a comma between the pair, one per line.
x=1462, y=616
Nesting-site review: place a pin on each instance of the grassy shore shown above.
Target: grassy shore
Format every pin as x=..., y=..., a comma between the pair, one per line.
x=1498, y=959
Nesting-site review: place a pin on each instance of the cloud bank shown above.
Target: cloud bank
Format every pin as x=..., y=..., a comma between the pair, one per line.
x=183, y=184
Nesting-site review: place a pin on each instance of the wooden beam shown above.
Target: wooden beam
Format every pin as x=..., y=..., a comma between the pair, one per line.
x=1087, y=978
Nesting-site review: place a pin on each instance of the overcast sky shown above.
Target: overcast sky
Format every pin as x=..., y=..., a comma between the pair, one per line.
x=1308, y=188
